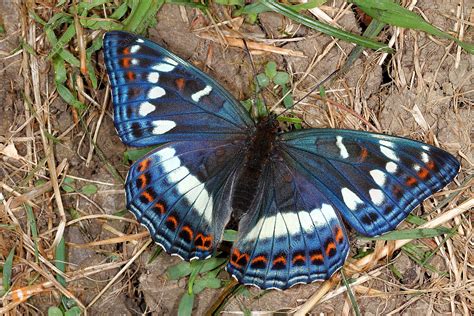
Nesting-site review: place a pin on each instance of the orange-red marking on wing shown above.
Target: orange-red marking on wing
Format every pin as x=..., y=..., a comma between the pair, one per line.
x=239, y=259
x=431, y=165
x=160, y=207
x=363, y=154
x=259, y=259
x=131, y=75
x=280, y=259
x=317, y=257
x=173, y=221
x=330, y=247
x=180, y=83
x=147, y=196
x=203, y=242
x=339, y=234
x=189, y=231
x=411, y=181
x=423, y=173
x=143, y=165
x=297, y=258
x=144, y=180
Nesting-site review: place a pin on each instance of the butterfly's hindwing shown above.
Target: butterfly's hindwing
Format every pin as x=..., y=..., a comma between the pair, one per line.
x=374, y=180
x=179, y=192
x=293, y=236
x=158, y=97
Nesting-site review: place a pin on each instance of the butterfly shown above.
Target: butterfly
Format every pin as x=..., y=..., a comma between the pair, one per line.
x=290, y=191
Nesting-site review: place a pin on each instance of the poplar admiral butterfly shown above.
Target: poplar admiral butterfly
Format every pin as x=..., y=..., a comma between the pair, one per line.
x=289, y=190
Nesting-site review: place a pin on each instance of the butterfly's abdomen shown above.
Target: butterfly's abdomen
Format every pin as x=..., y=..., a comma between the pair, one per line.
x=258, y=154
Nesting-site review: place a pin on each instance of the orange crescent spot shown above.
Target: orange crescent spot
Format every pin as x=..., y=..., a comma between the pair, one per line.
x=329, y=247
x=298, y=258
x=339, y=234
x=280, y=259
x=180, y=83
x=126, y=51
x=143, y=178
x=411, y=181
x=160, y=207
x=173, y=220
x=317, y=257
x=189, y=231
x=259, y=259
x=147, y=196
x=143, y=165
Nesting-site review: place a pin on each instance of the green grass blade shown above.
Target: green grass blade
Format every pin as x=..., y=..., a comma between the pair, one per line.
x=185, y=307
x=142, y=15
x=325, y=28
x=392, y=13
x=355, y=306
x=412, y=234
x=34, y=231
x=60, y=260
x=7, y=270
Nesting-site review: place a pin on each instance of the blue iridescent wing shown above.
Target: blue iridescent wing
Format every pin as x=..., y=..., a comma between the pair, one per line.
x=373, y=180
x=159, y=97
x=292, y=234
x=181, y=193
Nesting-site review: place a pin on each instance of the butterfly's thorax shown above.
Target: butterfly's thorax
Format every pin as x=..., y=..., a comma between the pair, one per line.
x=257, y=156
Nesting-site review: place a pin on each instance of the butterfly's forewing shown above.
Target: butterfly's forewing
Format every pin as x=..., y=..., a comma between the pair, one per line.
x=291, y=235
x=181, y=193
x=159, y=97
x=373, y=180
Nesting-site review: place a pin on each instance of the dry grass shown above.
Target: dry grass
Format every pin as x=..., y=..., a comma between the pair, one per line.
x=34, y=178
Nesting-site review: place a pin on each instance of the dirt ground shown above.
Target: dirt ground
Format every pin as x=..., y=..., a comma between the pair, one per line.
x=425, y=91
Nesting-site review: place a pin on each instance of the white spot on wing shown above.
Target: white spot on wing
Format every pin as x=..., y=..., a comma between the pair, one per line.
x=391, y=167
x=162, y=67
x=170, y=61
x=425, y=147
x=416, y=167
x=351, y=199
x=198, y=95
x=379, y=177
x=153, y=77
x=162, y=126
x=134, y=61
x=139, y=40
x=134, y=49
x=146, y=108
x=377, y=196
x=342, y=149
x=388, y=153
x=425, y=158
x=386, y=143
x=156, y=92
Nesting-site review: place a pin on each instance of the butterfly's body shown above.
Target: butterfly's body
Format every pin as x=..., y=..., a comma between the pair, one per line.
x=289, y=190
x=259, y=149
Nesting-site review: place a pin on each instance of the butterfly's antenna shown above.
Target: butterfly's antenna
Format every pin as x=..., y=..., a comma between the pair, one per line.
x=316, y=87
x=257, y=86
